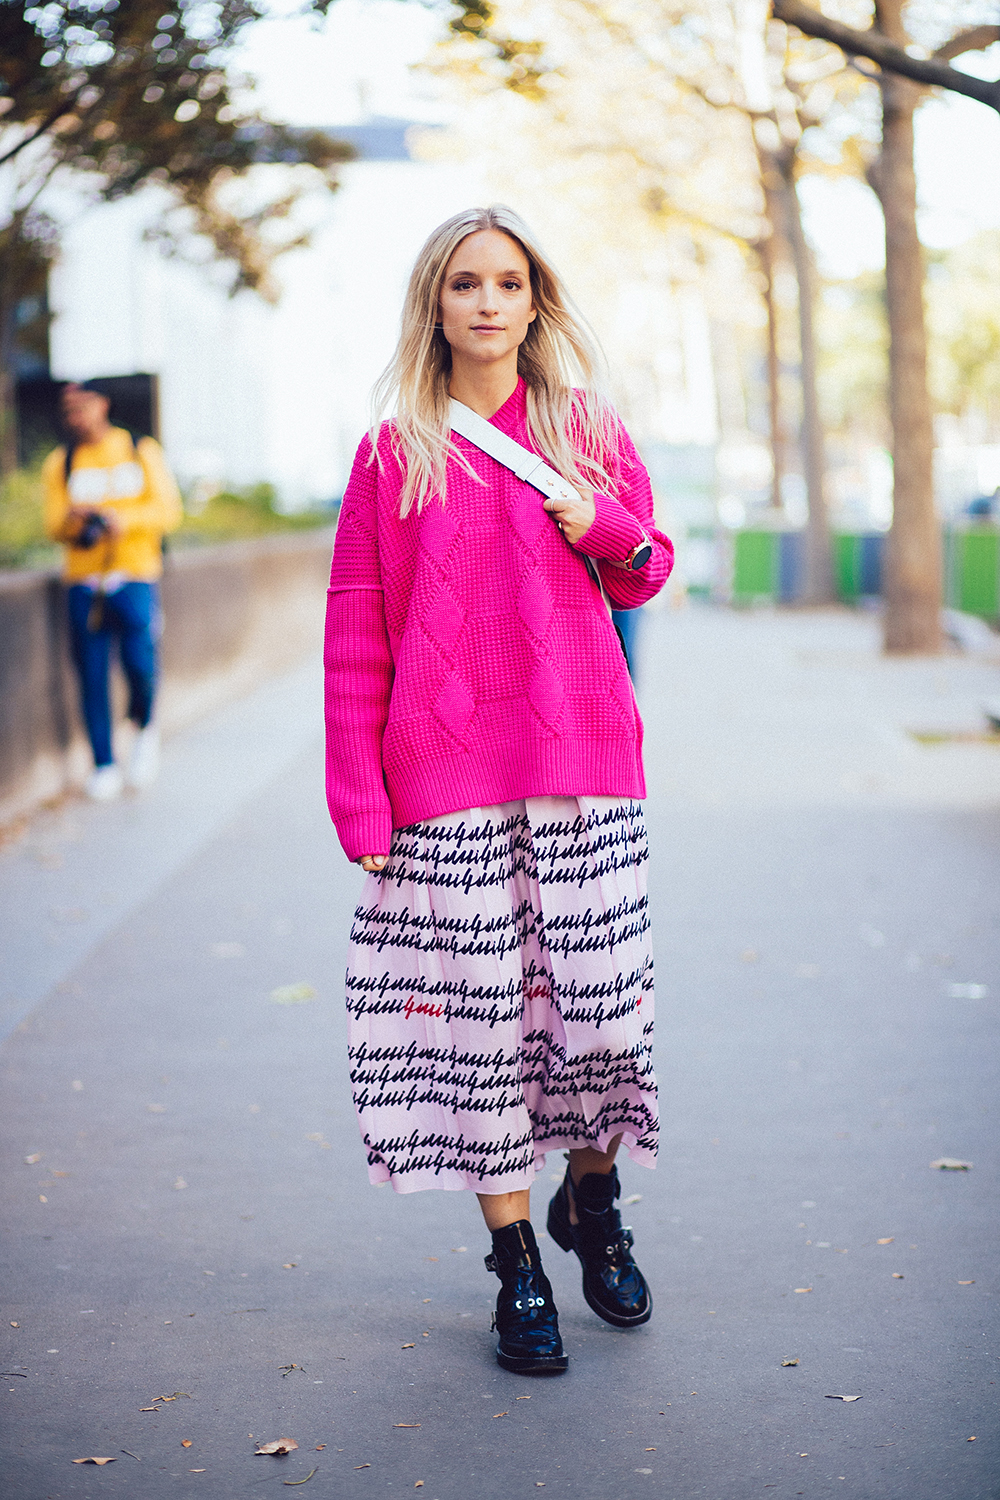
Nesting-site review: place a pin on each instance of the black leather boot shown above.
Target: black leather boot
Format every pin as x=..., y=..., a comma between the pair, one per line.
x=612, y=1283
x=526, y=1316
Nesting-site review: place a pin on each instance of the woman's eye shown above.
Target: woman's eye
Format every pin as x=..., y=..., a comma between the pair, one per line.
x=512, y=286
x=461, y=286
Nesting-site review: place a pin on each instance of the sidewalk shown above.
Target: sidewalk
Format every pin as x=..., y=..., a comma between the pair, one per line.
x=198, y=1218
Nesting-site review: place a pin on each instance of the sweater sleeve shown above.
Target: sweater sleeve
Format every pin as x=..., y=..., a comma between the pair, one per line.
x=619, y=525
x=359, y=672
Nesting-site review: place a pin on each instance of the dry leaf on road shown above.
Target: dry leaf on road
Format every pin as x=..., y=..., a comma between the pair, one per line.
x=406, y=1424
x=961, y=1283
x=185, y=1442
x=95, y=1460
x=843, y=1398
x=407, y=1346
x=803, y=1288
x=886, y=1242
x=280, y=1445
x=292, y=994
x=29, y=1161
x=294, y=1482
x=500, y=1414
x=898, y=1276
x=786, y=1363
x=950, y=1164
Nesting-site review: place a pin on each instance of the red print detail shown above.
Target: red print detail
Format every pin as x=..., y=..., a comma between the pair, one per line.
x=423, y=1009
x=535, y=992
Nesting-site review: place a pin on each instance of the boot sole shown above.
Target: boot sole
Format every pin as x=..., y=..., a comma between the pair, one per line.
x=556, y=1365
x=563, y=1235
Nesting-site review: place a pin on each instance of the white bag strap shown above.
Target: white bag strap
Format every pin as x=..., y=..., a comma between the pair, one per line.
x=522, y=462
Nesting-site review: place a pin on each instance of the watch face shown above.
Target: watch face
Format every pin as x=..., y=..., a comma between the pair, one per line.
x=641, y=556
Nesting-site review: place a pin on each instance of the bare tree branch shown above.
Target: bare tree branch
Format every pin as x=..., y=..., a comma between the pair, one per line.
x=873, y=45
x=976, y=39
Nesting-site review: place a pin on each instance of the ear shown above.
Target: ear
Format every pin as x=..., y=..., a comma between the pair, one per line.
x=533, y=313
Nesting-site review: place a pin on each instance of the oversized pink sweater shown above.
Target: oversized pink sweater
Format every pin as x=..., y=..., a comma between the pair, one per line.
x=469, y=656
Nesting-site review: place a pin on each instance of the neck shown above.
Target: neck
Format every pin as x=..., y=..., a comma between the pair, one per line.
x=484, y=388
x=95, y=434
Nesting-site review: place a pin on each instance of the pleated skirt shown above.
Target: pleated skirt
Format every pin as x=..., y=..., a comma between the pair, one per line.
x=500, y=994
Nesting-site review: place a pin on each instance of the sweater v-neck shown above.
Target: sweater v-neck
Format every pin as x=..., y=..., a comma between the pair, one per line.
x=509, y=415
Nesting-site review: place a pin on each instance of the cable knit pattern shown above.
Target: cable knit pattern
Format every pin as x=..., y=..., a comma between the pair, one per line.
x=469, y=657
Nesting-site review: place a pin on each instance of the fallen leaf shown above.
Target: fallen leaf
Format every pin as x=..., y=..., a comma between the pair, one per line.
x=301, y=1481
x=279, y=1445
x=320, y=1447
x=886, y=1242
x=803, y=1288
x=430, y=1257
x=292, y=994
x=837, y=1398
x=950, y=1164
x=362, y=1466
x=407, y=1346
x=898, y=1276
x=522, y=1398
x=15, y=1325
x=500, y=1414
x=425, y=1334
x=785, y=1363
x=650, y=1450
x=459, y=1249
x=419, y=1484
x=968, y=1440
x=180, y=1183
x=102, y=1460
x=406, y=1424
x=60, y=1174
x=42, y=1198
x=289, y=1265
x=961, y=1283
x=132, y=1455
x=197, y=1471
x=29, y=1161
x=633, y=1198
x=185, y=1442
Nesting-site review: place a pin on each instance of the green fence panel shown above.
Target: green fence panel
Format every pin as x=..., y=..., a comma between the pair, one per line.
x=755, y=564
x=847, y=565
x=979, y=564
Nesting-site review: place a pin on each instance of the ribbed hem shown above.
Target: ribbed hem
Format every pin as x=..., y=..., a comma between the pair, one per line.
x=426, y=789
x=614, y=533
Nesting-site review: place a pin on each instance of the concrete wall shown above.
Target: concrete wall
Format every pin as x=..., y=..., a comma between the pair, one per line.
x=234, y=614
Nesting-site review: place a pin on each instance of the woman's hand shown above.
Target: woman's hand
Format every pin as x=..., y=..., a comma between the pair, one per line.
x=573, y=517
x=372, y=862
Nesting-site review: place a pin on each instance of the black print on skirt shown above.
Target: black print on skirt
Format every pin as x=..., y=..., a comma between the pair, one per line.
x=500, y=994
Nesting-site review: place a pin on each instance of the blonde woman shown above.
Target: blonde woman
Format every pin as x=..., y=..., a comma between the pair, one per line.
x=484, y=767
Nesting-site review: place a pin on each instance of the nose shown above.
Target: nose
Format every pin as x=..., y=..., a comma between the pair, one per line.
x=489, y=302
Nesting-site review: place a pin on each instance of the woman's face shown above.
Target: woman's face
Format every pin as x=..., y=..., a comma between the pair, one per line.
x=486, y=305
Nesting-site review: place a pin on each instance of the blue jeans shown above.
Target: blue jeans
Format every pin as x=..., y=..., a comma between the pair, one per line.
x=132, y=615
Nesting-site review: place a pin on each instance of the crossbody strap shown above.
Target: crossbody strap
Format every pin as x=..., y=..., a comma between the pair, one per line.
x=522, y=462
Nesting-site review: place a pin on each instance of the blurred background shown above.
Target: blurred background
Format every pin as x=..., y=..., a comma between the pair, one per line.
x=215, y=206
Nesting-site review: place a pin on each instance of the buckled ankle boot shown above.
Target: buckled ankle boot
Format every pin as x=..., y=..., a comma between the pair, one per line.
x=612, y=1283
x=526, y=1316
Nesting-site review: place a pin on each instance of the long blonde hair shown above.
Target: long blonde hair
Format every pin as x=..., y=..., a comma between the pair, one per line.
x=575, y=429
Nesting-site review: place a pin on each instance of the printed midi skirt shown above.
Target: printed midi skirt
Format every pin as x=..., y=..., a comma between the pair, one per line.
x=500, y=994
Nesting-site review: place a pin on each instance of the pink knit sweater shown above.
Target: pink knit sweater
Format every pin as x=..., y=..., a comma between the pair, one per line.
x=469, y=657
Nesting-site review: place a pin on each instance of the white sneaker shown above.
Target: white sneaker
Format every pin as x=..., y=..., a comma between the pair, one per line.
x=104, y=783
x=144, y=762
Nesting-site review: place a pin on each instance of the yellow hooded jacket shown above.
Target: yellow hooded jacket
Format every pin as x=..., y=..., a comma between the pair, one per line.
x=132, y=482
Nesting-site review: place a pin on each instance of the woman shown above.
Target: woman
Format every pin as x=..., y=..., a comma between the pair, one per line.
x=484, y=767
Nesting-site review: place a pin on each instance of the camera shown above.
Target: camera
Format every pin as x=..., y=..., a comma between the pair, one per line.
x=93, y=528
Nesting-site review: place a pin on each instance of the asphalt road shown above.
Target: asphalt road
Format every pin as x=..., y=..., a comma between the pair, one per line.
x=188, y=1214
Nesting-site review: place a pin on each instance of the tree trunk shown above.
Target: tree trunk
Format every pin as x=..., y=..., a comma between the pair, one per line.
x=768, y=254
x=8, y=390
x=818, y=587
x=913, y=554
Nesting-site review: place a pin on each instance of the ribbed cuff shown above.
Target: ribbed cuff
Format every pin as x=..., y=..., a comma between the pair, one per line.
x=614, y=533
x=365, y=833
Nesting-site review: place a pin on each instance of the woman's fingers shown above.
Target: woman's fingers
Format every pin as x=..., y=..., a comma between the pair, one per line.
x=573, y=517
x=372, y=862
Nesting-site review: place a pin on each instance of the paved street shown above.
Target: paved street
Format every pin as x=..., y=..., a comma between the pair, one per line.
x=187, y=1203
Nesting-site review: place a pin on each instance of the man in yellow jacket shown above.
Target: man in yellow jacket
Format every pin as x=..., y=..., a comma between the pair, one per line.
x=111, y=500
